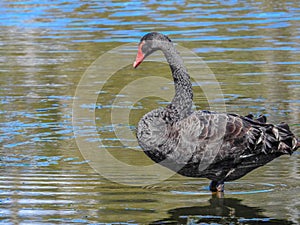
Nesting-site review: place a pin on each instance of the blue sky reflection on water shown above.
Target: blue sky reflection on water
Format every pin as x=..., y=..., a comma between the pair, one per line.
x=121, y=21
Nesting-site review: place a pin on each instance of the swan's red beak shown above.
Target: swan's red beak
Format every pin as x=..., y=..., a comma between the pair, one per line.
x=139, y=57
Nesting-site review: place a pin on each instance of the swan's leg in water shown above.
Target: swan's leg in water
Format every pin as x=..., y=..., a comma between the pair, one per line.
x=216, y=186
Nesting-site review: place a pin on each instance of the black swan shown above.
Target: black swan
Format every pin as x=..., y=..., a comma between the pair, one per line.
x=218, y=146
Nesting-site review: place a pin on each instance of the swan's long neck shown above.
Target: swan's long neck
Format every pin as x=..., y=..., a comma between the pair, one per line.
x=183, y=99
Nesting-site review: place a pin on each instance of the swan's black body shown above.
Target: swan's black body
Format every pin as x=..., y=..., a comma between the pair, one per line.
x=219, y=146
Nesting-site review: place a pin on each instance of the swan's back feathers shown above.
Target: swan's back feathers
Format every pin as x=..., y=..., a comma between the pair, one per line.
x=257, y=135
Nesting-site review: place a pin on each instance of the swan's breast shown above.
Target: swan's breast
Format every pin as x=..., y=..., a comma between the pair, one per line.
x=152, y=131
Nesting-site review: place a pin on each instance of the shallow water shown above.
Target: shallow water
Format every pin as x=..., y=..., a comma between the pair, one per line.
x=57, y=106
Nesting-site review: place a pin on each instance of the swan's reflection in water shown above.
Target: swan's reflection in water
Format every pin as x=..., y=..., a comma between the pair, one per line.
x=221, y=211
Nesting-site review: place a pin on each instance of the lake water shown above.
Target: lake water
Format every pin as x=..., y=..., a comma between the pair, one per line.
x=70, y=101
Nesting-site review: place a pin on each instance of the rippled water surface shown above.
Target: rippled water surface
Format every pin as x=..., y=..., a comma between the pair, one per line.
x=51, y=115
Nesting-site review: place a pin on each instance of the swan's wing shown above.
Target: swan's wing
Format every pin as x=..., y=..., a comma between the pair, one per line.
x=263, y=143
x=228, y=145
x=254, y=136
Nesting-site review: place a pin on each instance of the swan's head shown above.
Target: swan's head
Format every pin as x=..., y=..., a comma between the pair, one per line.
x=149, y=44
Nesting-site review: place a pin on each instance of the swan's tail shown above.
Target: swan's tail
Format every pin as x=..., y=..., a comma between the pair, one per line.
x=270, y=138
x=288, y=143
